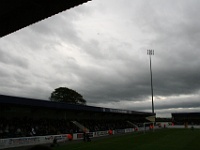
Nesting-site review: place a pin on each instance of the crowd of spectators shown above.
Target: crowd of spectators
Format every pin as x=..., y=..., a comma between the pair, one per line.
x=102, y=125
x=26, y=127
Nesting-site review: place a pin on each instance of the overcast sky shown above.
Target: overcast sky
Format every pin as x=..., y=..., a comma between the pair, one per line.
x=100, y=48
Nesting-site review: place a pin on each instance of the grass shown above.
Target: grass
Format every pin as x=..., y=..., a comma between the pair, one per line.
x=166, y=139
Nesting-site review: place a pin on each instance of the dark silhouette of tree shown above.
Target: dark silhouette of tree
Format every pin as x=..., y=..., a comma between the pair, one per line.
x=64, y=94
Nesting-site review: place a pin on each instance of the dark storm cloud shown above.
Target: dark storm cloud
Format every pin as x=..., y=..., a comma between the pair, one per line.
x=177, y=81
x=175, y=64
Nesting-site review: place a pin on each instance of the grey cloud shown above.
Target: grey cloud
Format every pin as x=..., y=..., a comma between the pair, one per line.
x=9, y=58
x=107, y=63
x=57, y=28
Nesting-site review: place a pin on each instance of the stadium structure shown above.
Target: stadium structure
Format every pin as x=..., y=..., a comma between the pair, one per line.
x=12, y=106
x=30, y=119
x=186, y=118
x=17, y=14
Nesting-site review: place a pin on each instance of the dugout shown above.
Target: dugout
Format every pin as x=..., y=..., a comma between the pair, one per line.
x=11, y=107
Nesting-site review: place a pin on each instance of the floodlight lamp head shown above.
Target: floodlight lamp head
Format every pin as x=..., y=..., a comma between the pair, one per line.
x=150, y=52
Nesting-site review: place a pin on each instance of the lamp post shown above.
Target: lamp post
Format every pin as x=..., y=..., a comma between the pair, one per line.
x=151, y=52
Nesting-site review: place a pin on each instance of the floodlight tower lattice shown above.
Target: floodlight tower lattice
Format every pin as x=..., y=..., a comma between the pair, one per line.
x=151, y=52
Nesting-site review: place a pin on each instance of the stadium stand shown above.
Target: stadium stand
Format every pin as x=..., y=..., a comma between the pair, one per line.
x=192, y=118
x=24, y=117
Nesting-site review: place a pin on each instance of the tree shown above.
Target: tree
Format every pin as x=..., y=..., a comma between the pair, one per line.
x=64, y=94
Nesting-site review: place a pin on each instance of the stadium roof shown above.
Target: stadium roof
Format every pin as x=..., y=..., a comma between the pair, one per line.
x=17, y=14
x=186, y=114
x=19, y=101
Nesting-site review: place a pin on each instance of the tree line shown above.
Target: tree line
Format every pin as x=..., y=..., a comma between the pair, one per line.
x=64, y=94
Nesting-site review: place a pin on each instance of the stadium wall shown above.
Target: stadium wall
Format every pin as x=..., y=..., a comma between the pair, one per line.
x=27, y=141
x=48, y=139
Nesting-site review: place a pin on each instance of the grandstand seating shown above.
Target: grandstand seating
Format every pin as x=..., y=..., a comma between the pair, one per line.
x=24, y=117
x=26, y=127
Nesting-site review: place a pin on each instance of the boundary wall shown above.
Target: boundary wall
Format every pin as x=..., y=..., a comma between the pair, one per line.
x=182, y=126
x=48, y=139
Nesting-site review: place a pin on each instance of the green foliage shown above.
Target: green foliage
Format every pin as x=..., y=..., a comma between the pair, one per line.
x=164, y=139
x=64, y=94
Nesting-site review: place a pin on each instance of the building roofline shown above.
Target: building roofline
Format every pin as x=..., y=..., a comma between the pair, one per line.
x=22, y=101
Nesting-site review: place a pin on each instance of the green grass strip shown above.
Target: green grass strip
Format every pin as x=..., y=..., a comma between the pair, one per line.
x=165, y=139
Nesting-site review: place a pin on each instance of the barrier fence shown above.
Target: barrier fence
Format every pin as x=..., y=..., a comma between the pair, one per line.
x=25, y=141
